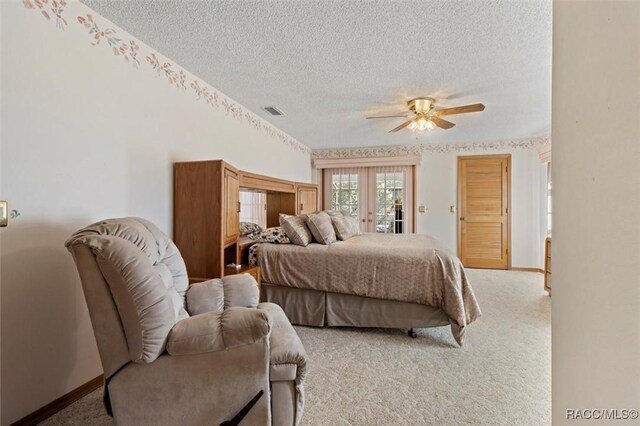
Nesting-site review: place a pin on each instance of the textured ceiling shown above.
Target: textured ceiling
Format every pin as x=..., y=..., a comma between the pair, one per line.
x=327, y=63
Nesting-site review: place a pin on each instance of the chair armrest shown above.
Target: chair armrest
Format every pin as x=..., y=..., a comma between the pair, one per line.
x=217, y=331
x=286, y=347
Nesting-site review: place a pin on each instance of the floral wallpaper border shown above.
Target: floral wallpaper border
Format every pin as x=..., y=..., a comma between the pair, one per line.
x=128, y=48
x=401, y=150
x=124, y=46
x=46, y=8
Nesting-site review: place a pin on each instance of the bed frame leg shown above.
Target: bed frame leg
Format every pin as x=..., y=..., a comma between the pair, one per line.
x=412, y=333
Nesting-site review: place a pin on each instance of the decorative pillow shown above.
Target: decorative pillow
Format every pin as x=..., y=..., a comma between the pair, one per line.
x=345, y=227
x=296, y=229
x=337, y=213
x=273, y=235
x=253, y=254
x=248, y=228
x=321, y=227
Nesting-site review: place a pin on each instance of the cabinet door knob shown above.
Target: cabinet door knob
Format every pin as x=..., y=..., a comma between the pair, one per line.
x=462, y=218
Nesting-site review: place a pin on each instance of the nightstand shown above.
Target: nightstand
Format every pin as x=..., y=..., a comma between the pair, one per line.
x=254, y=271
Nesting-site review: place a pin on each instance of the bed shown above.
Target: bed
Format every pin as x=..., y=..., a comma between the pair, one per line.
x=370, y=280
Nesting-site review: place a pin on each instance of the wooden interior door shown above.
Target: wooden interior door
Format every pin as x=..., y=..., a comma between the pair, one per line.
x=483, y=211
x=231, y=220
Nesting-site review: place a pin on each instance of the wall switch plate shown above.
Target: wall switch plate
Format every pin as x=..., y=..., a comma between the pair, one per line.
x=4, y=213
x=422, y=209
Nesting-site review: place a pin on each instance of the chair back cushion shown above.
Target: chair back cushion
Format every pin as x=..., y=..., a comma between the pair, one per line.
x=206, y=296
x=146, y=276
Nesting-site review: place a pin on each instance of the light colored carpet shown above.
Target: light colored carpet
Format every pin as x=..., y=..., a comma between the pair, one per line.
x=502, y=375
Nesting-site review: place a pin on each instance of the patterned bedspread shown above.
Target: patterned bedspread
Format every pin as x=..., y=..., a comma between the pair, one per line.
x=407, y=268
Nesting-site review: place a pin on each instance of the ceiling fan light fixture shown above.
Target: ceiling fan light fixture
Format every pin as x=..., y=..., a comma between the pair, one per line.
x=422, y=124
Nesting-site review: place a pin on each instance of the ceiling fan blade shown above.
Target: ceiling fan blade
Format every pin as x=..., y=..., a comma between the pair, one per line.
x=402, y=126
x=389, y=116
x=443, y=124
x=459, y=110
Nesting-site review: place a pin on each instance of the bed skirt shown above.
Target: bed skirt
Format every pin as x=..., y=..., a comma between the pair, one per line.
x=319, y=308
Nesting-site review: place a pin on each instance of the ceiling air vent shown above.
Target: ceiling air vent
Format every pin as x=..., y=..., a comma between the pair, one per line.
x=273, y=110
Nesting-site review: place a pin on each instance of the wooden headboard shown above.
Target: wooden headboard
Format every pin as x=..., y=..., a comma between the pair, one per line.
x=206, y=211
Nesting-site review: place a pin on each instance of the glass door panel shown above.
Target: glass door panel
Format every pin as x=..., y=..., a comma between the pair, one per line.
x=389, y=202
x=344, y=193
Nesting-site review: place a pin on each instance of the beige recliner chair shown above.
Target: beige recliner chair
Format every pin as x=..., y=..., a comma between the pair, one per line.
x=179, y=354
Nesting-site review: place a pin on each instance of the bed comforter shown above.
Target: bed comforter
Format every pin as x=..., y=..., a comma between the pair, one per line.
x=407, y=268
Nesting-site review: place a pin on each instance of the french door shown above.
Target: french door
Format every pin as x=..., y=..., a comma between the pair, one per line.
x=380, y=197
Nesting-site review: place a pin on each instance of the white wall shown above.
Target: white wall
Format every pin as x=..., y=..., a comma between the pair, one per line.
x=596, y=237
x=437, y=178
x=86, y=136
x=1, y=107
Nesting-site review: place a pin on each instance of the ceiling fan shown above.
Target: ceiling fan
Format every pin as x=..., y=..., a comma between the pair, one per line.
x=423, y=116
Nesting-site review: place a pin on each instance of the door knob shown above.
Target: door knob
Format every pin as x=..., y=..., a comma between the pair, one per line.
x=462, y=218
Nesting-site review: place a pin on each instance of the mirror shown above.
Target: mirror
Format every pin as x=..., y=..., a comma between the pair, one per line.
x=253, y=207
